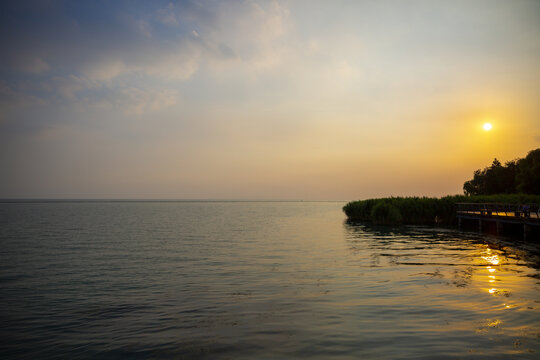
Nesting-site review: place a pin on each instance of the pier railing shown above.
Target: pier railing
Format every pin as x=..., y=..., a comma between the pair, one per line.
x=524, y=212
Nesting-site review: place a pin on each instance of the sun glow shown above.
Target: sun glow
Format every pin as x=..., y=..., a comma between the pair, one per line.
x=493, y=259
x=487, y=126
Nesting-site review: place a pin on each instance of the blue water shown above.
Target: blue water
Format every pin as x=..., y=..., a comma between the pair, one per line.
x=256, y=280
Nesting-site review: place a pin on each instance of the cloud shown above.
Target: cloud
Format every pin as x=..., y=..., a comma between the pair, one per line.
x=177, y=65
x=129, y=100
x=105, y=70
x=306, y=86
x=69, y=87
x=35, y=65
x=11, y=97
x=136, y=101
x=103, y=43
x=167, y=16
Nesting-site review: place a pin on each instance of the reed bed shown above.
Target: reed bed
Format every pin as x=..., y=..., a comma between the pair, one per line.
x=423, y=210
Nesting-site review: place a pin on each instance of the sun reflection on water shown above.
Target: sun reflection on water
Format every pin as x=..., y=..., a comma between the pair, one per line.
x=492, y=283
x=493, y=260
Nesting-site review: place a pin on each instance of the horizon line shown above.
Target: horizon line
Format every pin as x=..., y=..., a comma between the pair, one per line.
x=7, y=200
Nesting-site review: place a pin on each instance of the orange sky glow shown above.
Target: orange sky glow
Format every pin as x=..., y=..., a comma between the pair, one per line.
x=311, y=100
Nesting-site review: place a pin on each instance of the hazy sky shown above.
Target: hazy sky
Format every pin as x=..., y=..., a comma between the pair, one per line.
x=263, y=99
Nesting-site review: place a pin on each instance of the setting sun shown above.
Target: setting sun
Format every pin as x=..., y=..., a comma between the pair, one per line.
x=487, y=126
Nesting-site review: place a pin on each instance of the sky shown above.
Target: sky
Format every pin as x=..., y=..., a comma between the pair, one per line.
x=300, y=100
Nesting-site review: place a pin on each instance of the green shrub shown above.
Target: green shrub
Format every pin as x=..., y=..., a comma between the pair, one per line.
x=385, y=213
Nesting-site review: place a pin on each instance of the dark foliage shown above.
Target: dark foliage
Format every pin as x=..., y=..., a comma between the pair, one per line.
x=423, y=210
x=522, y=175
x=528, y=175
x=385, y=213
x=516, y=182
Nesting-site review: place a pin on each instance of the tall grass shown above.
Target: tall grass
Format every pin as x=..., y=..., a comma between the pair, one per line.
x=423, y=210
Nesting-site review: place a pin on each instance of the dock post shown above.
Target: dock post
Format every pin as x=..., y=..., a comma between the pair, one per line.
x=526, y=231
x=499, y=227
x=459, y=223
x=480, y=225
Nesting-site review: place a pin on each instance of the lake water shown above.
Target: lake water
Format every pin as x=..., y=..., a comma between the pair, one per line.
x=256, y=280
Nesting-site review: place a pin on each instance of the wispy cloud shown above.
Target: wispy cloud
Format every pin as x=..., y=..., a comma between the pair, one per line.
x=169, y=43
x=35, y=65
x=310, y=89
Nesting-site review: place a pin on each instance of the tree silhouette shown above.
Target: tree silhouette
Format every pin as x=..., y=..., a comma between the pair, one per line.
x=521, y=175
x=528, y=175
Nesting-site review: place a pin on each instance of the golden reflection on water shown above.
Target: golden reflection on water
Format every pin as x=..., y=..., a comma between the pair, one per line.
x=496, y=273
x=489, y=324
x=494, y=283
x=494, y=260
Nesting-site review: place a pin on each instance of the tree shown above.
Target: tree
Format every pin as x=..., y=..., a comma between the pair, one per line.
x=528, y=175
x=495, y=179
x=476, y=185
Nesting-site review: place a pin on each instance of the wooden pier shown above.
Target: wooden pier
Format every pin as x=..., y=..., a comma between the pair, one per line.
x=501, y=216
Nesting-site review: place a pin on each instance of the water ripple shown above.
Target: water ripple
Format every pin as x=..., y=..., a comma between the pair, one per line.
x=256, y=280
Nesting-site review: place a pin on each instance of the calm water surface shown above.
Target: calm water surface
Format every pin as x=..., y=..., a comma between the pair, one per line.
x=256, y=280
